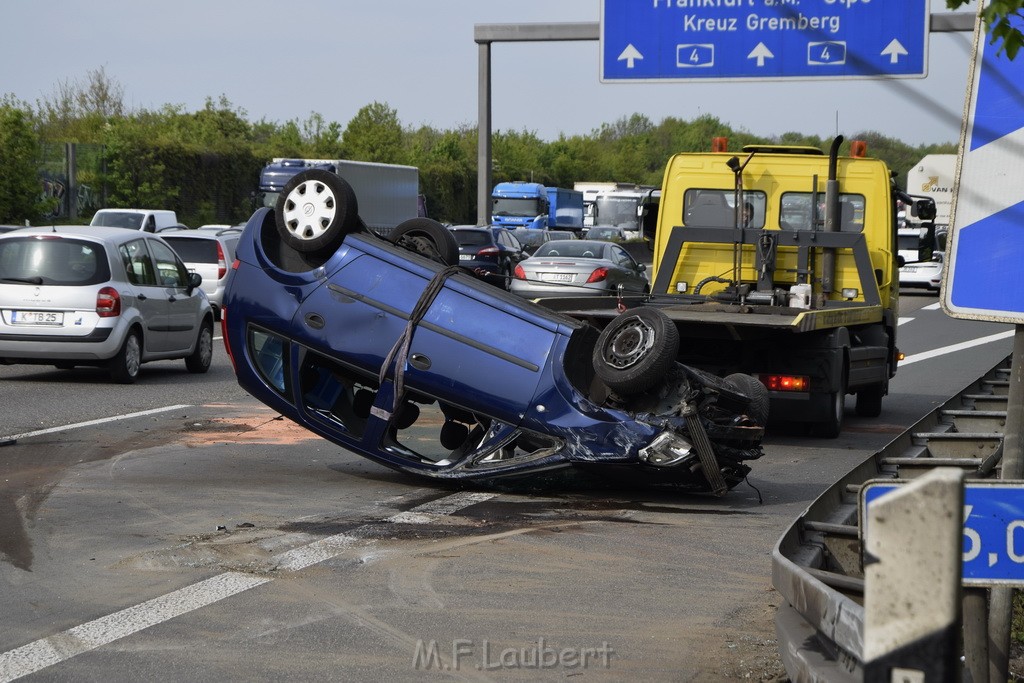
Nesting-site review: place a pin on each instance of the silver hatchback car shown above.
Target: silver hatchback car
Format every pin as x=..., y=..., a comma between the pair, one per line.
x=209, y=252
x=102, y=297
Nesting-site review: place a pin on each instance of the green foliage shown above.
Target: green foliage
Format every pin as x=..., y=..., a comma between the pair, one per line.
x=205, y=165
x=20, y=188
x=1004, y=20
x=374, y=134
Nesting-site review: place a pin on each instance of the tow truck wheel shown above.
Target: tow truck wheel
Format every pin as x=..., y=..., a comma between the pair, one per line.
x=830, y=427
x=752, y=388
x=315, y=210
x=636, y=350
x=428, y=238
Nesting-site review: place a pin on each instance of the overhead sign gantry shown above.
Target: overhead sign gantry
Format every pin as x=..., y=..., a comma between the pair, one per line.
x=694, y=40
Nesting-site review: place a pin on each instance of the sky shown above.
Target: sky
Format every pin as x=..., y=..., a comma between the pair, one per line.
x=283, y=61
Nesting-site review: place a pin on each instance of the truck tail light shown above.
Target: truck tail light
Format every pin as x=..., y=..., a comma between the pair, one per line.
x=108, y=303
x=222, y=264
x=786, y=382
x=519, y=273
x=598, y=275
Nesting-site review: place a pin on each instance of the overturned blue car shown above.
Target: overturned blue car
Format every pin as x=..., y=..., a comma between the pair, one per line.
x=388, y=348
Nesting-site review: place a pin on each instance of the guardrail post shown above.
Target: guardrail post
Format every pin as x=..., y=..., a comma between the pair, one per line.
x=913, y=551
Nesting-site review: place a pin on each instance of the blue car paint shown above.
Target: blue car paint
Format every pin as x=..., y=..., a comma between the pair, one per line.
x=491, y=353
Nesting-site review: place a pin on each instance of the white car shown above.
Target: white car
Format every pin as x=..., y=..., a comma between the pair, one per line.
x=926, y=274
x=100, y=296
x=209, y=252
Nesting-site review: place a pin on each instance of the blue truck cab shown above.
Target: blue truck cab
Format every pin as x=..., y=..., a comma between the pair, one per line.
x=519, y=205
x=532, y=205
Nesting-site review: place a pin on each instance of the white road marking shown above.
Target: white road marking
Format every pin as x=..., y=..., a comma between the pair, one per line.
x=90, y=423
x=46, y=652
x=953, y=348
x=932, y=307
x=902, y=321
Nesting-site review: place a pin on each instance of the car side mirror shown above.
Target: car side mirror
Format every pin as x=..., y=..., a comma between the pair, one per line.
x=900, y=261
x=194, y=280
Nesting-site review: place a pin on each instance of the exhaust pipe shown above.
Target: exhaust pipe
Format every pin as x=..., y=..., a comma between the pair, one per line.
x=828, y=258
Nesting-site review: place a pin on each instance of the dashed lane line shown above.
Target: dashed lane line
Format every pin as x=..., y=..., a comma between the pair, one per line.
x=90, y=423
x=953, y=348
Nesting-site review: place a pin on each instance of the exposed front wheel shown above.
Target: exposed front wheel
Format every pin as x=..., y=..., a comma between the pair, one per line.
x=427, y=238
x=635, y=350
x=752, y=388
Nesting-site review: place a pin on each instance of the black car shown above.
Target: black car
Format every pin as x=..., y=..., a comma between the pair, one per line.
x=489, y=251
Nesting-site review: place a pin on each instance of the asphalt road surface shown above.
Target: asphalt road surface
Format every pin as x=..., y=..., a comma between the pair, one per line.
x=177, y=530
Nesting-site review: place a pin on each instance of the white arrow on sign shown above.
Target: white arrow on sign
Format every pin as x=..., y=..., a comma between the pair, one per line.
x=630, y=54
x=895, y=50
x=760, y=52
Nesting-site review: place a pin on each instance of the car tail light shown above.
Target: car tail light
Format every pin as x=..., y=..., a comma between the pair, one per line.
x=598, y=275
x=235, y=264
x=488, y=251
x=519, y=273
x=224, y=334
x=786, y=382
x=108, y=303
x=222, y=265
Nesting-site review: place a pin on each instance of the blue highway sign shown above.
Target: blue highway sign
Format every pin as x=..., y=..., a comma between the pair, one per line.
x=993, y=539
x=688, y=40
x=984, y=277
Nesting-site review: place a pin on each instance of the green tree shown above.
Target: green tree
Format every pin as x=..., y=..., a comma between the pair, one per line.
x=374, y=134
x=1004, y=19
x=20, y=189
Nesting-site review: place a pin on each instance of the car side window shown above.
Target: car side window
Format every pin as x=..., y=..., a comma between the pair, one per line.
x=170, y=271
x=622, y=258
x=137, y=263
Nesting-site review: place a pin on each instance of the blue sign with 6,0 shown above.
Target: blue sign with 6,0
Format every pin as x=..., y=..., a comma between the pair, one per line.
x=993, y=538
x=686, y=40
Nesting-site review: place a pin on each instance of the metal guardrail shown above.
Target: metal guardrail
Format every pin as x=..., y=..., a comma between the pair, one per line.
x=817, y=564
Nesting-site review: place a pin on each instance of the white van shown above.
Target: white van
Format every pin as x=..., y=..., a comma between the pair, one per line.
x=149, y=220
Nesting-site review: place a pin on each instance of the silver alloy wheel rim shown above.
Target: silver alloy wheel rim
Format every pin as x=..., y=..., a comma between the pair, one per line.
x=132, y=355
x=206, y=346
x=308, y=209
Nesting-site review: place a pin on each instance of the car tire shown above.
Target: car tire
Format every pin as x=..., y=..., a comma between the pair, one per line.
x=427, y=238
x=636, y=350
x=199, y=360
x=124, y=367
x=752, y=388
x=315, y=211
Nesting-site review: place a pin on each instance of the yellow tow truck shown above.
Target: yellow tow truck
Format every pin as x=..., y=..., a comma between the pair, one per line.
x=779, y=262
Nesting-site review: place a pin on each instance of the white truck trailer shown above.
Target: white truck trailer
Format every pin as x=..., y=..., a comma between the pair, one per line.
x=388, y=193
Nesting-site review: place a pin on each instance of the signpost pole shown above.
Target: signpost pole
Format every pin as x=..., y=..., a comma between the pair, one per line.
x=1012, y=467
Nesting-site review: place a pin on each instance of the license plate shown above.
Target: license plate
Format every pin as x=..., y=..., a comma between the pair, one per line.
x=909, y=269
x=556, y=277
x=37, y=318
x=465, y=257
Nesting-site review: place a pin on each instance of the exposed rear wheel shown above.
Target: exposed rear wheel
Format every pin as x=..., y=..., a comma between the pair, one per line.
x=315, y=210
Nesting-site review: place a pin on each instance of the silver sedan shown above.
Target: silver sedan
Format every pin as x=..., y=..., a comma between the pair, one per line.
x=579, y=268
